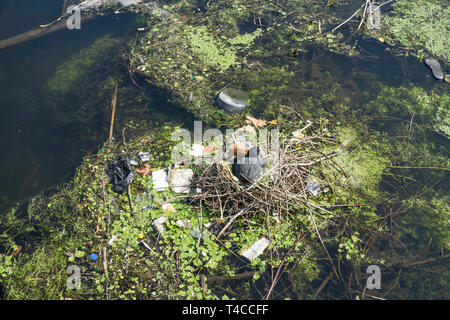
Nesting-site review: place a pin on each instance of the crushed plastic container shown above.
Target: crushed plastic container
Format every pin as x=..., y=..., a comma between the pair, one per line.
x=145, y=156
x=256, y=249
x=232, y=100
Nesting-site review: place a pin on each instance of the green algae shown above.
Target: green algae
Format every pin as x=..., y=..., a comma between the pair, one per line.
x=423, y=27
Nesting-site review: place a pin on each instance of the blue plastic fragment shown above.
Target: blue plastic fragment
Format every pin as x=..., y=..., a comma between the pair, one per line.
x=93, y=256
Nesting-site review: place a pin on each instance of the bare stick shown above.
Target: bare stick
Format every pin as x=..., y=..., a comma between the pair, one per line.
x=113, y=105
x=231, y=221
x=126, y=156
x=363, y=15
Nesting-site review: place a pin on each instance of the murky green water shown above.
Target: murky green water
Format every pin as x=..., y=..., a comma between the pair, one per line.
x=43, y=136
x=40, y=149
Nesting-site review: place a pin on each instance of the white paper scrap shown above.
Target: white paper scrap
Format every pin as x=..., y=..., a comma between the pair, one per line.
x=256, y=249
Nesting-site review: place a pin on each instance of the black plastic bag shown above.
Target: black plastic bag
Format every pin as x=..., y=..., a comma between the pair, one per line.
x=121, y=175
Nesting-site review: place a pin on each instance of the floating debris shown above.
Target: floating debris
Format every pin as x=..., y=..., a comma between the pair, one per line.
x=159, y=180
x=184, y=224
x=314, y=188
x=256, y=122
x=256, y=249
x=435, y=67
x=145, y=245
x=232, y=100
x=89, y=4
x=145, y=156
x=93, y=256
x=181, y=180
x=374, y=17
x=144, y=170
x=121, y=175
x=158, y=224
x=111, y=241
x=209, y=149
x=197, y=233
x=197, y=150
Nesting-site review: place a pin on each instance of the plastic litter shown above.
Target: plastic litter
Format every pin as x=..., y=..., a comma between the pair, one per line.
x=249, y=167
x=89, y=4
x=314, y=188
x=256, y=249
x=145, y=156
x=232, y=100
x=121, y=175
x=197, y=150
x=158, y=224
x=145, y=245
x=93, y=256
x=181, y=180
x=159, y=180
x=435, y=67
x=144, y=170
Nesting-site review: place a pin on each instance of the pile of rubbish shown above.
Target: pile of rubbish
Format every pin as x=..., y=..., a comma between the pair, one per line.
x=253, y=183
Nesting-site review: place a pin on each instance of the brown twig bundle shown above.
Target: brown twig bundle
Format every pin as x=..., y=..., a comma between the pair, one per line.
x=284, y=186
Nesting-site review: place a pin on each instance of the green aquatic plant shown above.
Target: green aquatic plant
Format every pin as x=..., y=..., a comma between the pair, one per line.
x=76, y=75
x=422, y=26
x=209, y=50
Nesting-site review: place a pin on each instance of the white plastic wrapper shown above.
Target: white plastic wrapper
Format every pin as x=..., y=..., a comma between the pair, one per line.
x=159, y=224
x=256, y=249
x=159, y=179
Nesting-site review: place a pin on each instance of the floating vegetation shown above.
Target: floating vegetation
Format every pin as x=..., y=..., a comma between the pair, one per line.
x=357, y=184
x=421, y=27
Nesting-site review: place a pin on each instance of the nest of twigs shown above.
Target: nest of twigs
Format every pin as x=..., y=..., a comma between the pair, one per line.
x=284, y=186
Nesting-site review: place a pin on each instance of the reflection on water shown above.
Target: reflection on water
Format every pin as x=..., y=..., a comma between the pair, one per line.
x=18, y=16
x=44, y=135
